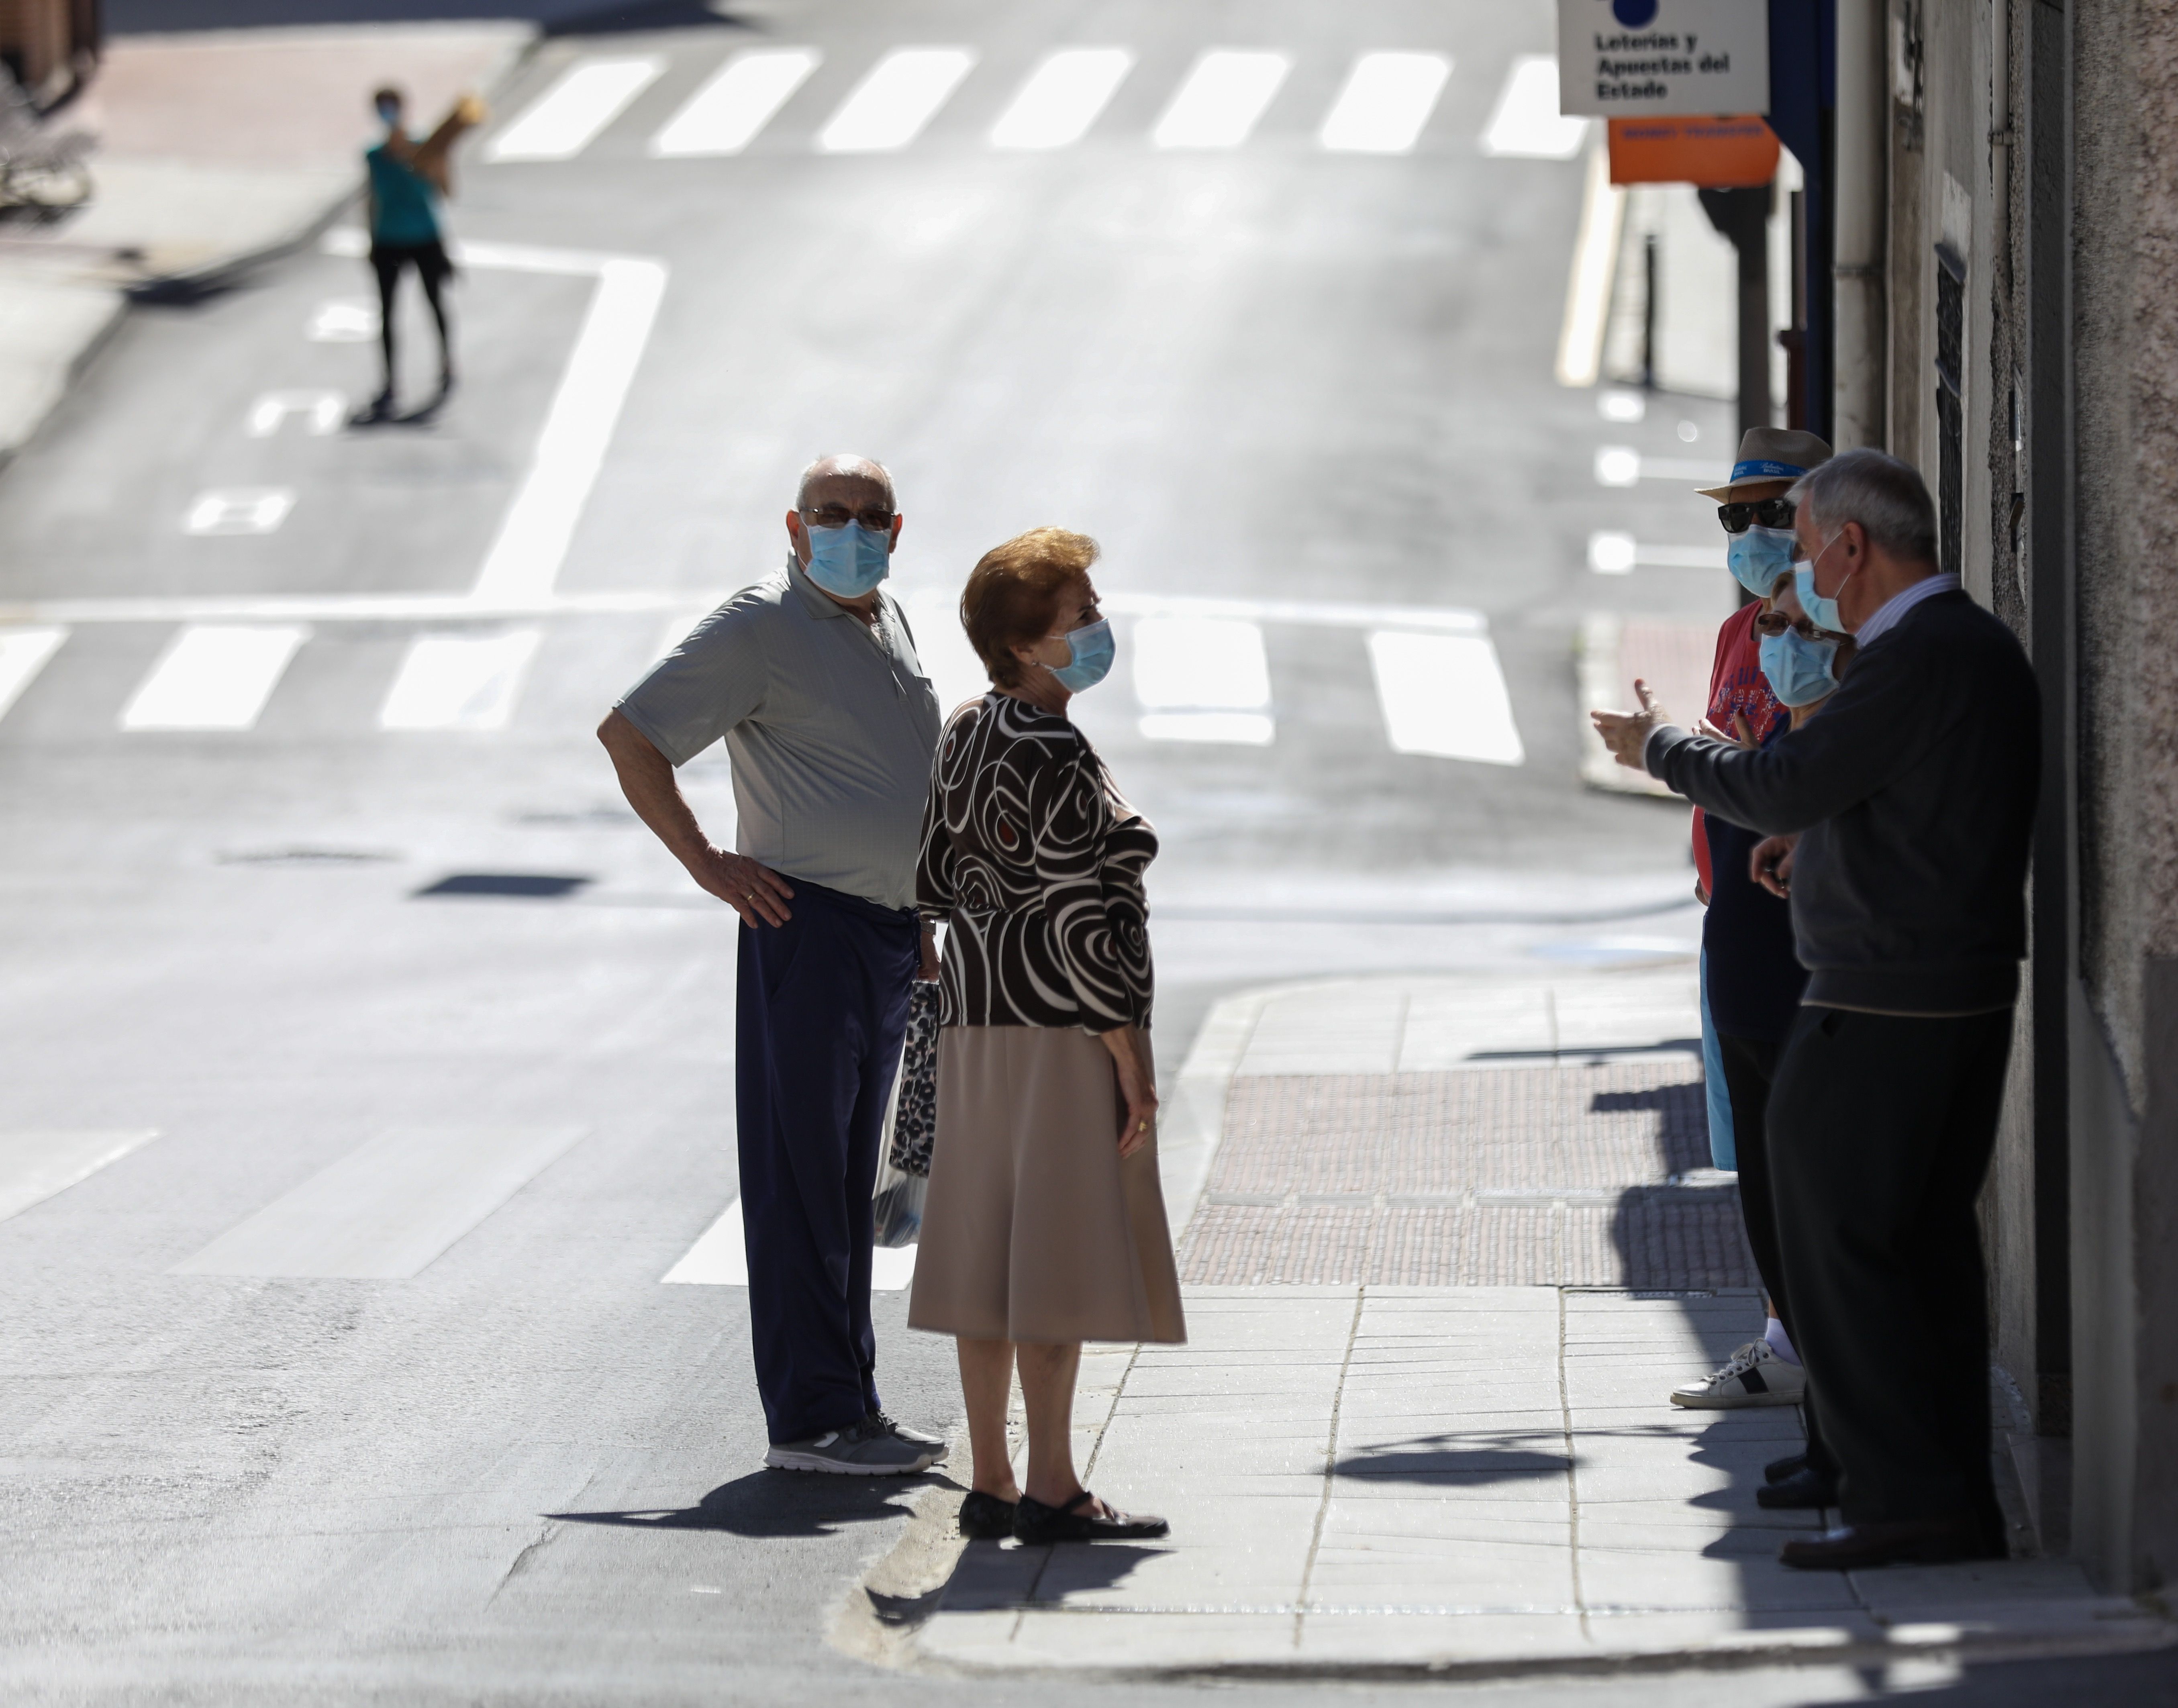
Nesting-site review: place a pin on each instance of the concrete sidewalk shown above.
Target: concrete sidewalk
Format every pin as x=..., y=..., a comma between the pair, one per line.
x=215, y=151
x=1421, y=1427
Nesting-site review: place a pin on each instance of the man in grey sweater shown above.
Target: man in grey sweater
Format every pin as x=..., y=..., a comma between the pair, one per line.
x=1899, y=823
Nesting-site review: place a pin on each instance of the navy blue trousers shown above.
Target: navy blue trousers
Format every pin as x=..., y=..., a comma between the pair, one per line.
x=821, y=1012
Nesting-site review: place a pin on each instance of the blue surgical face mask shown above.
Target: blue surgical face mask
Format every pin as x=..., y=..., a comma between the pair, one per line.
x=1759, y=557
x=1822, y=612
x=1092, y=649
x=389, y=115
x=849, y=561
x=1798, y=669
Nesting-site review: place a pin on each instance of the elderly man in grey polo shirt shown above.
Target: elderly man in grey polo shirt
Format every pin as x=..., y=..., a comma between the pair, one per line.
x=810, y=678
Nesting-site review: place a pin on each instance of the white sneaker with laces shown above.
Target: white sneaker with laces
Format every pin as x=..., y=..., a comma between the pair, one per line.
x=866, y=1448
x=1756, y=1376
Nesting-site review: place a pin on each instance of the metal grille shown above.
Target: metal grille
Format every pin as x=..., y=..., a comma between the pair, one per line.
x=1520, y=1176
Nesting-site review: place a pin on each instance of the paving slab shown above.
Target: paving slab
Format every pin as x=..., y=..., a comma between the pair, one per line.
x=1387, y=1477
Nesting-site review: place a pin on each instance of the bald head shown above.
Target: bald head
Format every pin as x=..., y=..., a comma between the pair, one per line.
x=862, y=472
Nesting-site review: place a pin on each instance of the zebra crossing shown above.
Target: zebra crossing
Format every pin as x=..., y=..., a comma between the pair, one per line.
x=1384, y=105
x=1198, y=670
x=385, y=1211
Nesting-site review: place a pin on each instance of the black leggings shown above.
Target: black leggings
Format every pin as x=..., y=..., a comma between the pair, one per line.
x=1750, y=1066
x=433, y=269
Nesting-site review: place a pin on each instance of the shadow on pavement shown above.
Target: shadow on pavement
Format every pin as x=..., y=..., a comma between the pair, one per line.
x=1426, y=1459
x=991, y=1577
x=767, y=1504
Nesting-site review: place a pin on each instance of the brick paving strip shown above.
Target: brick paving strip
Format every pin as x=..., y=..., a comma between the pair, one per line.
x=1451, y=1243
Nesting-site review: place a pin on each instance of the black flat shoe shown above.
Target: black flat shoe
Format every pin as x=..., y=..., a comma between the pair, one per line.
x=1036, y=1524
x=986, y=1518
x=1916, y=1542
x=1779, y=1469
x=1803, y=1491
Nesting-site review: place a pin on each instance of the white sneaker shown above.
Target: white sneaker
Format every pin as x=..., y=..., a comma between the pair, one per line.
x=1756, y=1376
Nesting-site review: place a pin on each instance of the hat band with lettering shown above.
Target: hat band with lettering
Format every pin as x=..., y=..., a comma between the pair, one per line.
x=1759, y=469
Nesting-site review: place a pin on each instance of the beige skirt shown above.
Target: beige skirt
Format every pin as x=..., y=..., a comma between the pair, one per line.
x=1034, y=1228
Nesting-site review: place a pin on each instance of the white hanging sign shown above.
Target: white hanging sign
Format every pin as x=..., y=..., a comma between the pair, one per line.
x=1626, y=58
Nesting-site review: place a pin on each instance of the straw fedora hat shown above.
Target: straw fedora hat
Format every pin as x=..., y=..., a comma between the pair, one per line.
x=1768, y=454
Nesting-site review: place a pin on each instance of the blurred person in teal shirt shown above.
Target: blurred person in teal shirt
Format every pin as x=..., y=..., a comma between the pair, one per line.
x=407, y=181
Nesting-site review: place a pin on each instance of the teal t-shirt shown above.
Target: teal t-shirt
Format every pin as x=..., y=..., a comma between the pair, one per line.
x=403, y=205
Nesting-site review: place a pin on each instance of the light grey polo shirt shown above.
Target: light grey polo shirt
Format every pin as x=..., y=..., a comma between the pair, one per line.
x=830, y=723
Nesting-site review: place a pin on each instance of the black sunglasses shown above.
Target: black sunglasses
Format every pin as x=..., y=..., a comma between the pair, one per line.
x=1770, y=513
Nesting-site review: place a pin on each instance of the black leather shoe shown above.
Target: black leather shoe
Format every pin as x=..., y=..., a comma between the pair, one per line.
x=1915, y=1542
x=1803, y=1491
x=1779, y=1469
x=986, y=1518
x=1036, y=1524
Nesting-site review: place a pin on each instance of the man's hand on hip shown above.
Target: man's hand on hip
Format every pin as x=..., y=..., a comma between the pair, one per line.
x=756, y=893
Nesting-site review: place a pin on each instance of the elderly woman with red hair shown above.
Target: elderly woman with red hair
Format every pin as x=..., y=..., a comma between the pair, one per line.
x=1045, y=1224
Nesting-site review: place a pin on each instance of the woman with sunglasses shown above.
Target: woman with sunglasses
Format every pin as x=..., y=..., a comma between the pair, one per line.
x=1045, y=1222
x=1751, y=979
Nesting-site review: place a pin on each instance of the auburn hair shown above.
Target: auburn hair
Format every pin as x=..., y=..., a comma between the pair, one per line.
x=1013, y=595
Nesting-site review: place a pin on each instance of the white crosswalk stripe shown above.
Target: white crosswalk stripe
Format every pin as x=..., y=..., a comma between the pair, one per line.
x=38, y=1164
x=1062, y=98
x=1222, y=97
x=721, y=1259
x=214, y=677
x=23, y=654
x=459, y=681
x=1202, y=679
x=1387, y=99
x=888, y=109
x=1526, y=123
x=731, y=109
x=585, y=98
x=1445, y=695
x=384, y=1212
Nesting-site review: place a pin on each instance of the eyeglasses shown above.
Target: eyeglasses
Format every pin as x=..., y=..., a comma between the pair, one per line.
x=1775, y=623
x=877, y=519
x=1770, y=513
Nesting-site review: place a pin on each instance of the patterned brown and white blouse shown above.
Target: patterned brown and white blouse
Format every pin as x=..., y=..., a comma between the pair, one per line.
x=1035, y=860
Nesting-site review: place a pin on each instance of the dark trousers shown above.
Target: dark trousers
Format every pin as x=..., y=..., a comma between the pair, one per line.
x=432, y=270
x=1750, y=1068
x=1881, y=1129
x=822, y=1010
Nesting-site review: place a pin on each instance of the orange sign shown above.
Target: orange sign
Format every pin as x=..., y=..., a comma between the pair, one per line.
x=1728, y=153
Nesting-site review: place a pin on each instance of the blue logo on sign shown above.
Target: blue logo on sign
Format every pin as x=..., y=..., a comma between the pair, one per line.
x=1635, y=14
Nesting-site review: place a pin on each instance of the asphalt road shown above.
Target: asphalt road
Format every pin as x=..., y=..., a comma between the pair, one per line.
x=270, y=1438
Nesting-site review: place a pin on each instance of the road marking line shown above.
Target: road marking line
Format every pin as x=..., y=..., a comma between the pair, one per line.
x=742, y=96
x=344, y=320
x=1222, y=99
x=1613, y=553
x=1621, y=465
x=23, y=654
x=1445, y=695
x=1387, y=100
x=322, y=409
x=1062, y=98
x=539, y=525
x=38, y=1164
x=459, y=681
x=1588, y=287
x=1526, y=123
x=451, y=607
x=385, y=1211
x=720, y=1258
x=213, y=677
x=239, y=510
x=888, y=109
x=563, y=121
x=1202, y=679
